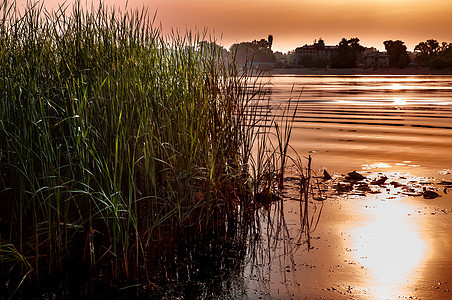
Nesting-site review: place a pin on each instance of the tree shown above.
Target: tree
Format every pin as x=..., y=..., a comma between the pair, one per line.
x=445, y=47
x=311, y=62
x=433, y=54
x=257, y=51
x=398, y=56
x=403, y=61
x=429, y=47
x=422, y=47
x=209, y=48
x=439, y=63
x=263, y=43
x=347, y=53
x=270, y=40
x=291, y=57
x=433, y=46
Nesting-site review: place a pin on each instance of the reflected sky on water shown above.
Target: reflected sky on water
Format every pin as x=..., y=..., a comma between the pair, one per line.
x=364, y=89
x=384, y=245
x=390, y=243
x=345, y=122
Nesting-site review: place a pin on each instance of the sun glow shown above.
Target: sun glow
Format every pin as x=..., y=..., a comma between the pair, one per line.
x=397, y=87
x=399, y=101
x=390, y=247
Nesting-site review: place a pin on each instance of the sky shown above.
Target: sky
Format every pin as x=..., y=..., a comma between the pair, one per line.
x=294, y=23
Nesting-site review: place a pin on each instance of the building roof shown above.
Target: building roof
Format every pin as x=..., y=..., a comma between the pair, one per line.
x=312, y=47
x=317, y=46
x=377, y=53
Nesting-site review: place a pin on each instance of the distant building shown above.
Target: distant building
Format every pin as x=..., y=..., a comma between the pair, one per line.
x=317, y=50
x=377, y=60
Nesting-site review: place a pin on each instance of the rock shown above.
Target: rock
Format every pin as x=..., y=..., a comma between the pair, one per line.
x=396, y=184
x=430, y=195
x=326, y=176
x=340, y=188
x=363, y=187
x=356, y=176
x=380, y=181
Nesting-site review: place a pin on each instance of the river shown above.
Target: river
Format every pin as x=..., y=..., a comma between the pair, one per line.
x=389, y=242
x=401, y=123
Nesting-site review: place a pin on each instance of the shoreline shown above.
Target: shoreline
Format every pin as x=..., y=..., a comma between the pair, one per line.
x=360, y=71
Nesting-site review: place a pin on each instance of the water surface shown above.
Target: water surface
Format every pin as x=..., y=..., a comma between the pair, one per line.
x=347, y=122
x=391, y=244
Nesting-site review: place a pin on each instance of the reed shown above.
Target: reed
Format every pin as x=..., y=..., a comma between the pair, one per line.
x=116, y=137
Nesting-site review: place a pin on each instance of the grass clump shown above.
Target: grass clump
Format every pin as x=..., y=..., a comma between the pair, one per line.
x=115, y=137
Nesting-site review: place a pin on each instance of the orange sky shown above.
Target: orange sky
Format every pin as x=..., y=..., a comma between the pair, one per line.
x=294, y=23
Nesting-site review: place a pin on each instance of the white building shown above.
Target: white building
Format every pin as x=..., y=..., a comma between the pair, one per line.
x=377, y=60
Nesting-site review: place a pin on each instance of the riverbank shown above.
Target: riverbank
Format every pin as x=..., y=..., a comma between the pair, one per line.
x=360, y=71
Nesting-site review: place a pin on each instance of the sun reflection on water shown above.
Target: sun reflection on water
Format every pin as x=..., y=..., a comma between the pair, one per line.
x=397, y=86
x=390, y=247
x=399, y=101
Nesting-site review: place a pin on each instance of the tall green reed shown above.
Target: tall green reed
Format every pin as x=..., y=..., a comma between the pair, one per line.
x=115, y=136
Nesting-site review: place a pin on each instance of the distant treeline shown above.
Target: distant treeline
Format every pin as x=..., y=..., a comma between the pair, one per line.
x=349, y=54
x=258, y=51
x=432, y=53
